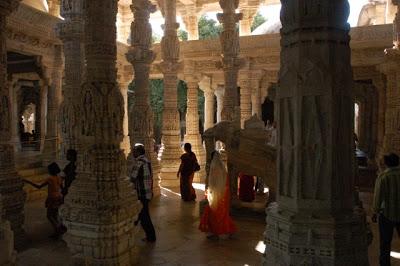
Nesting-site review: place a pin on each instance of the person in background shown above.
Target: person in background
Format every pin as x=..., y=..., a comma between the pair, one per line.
x=216, y=220
x=69, y=172
x=54, y=198
x=246, y=187
x=386, y=205
x=142, y=177
x=186, y=172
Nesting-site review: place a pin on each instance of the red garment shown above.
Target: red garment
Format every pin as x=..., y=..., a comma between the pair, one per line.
x=188, y=161
x=246, y=188
x=218, y=222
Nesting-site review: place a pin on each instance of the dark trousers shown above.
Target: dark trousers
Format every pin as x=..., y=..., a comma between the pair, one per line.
x=386, y=228
x=145, y=221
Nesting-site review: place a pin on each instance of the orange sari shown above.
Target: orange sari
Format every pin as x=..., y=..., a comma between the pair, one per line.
x=218, y=221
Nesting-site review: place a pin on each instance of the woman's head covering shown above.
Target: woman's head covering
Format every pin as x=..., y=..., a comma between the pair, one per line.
x=216, y=180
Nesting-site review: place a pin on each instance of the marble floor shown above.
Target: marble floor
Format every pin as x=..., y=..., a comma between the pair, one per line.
x=179, y=241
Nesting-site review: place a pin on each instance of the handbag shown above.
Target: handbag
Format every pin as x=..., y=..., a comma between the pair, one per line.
x=196, y=166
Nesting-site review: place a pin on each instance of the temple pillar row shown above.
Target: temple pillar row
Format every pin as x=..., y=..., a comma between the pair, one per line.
x=124, y=20
x=192, y=135
x=13, y=196
x=219, y=93
x=101, y=206
x=123, y=83
x=169, y=66
x=191, y=22
x=209, y=99
x=230, y=62
x=70, y=31
x=141, y=56
x=315, y=221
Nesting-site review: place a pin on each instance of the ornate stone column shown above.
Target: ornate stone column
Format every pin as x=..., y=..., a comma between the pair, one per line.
x=205, y=86
x=219, y=93
x=247, y=21
x=315, y=221
x=171, y=129
x=192, y=125
x=141, y=56
x=124, y=20
x=10, y=183
x=70, y=31
x=123, y=83
x=230, y=59
x=54, y=7
x=15, y=119
x=101, y=206
x=54, y=79
x=391, y=140
x=191, y=22
x=7, y=253
x=381, y=89
x=256, y=101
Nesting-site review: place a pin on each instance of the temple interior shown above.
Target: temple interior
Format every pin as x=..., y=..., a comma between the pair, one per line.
x=302, y=98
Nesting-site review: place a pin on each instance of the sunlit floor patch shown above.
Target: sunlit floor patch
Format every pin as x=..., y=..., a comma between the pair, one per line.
x=395, y=255
x=260, y=247
x=199, y=186
x=170, y=191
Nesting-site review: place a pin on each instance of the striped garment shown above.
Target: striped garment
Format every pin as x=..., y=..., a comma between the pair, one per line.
x=387, y=194
x=141, y=175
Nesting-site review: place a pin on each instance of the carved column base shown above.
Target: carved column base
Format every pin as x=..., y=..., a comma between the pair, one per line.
x=170, y=161
x=13, y=195
x=198, y=149
x=302, y=239
x=100, y=210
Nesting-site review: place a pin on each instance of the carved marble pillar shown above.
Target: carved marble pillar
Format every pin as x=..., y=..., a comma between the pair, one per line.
x=192, y=25
x=247, y=21
x=54, y=78
x=101, y=206
x=230, y=62
x=256, y=101
x=15, y=119
x=169, y=66
x=192, y=126
x=219, y=93
x=209, y=100
x=70, y=31
x=10, y=183
x=124, y=20
x=140, y=55
x=245, y=100
x=54, y=7
x=123, y=83
x=381, y=89
x=315, y=221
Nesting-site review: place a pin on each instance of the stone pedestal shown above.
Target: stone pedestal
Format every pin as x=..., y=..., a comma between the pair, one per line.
x=101, y=206
x=141, y=56
x=171, y=129
x=315, y=221
x=10, y=183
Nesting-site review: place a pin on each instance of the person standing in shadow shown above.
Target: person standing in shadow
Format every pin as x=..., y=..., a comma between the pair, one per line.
x=142, y=177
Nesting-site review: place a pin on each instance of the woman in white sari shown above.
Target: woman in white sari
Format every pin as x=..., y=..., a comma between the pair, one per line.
x=216, y=219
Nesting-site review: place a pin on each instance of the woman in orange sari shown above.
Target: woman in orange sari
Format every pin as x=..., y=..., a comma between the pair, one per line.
x=216, y=220
x=186, y=173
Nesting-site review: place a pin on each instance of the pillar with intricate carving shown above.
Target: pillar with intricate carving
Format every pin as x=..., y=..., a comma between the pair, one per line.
x=123, y=82
x=209, y=100
x=381, y=89
x=192, y=135
x=171, y=127
x=256, y=101
x=70, y=31
x=101, y=206
x=391, y=140
x=230, y=62
x=141, y=56
x=219, y=93
x=124, y=20
x=315, y=221
x=247, y=21
x=10, y=183
x=191, y=22
x=54, y=80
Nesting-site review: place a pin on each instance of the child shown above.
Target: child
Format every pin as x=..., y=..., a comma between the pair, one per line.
x=54, y=198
